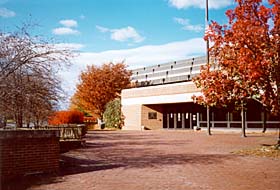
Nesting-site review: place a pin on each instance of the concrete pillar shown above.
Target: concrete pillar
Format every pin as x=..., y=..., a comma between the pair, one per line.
x=175, y=120
x=197, y=120
x=228, y=120
x=191, y=119
x=212, y=119
x=183, y=118
x=167, y=120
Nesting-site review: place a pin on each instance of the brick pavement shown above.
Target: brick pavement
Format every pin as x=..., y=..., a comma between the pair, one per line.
x=161, y=160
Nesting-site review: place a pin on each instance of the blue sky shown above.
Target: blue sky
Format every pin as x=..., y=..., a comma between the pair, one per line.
x=141, y=32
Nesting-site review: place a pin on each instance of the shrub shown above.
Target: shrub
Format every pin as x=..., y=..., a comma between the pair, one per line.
x=66, y=117
x=113, y=116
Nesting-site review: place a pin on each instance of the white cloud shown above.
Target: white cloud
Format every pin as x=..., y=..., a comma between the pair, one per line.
x=134, y=58
x=6, y=13
x=147, y=55
x=72, y=46
x=69, y=23
x=122, y=34
x=67, y=28
x=141, y=56
x=187, y=26
x=102, y=29
x=64, y=31
x=213, y=4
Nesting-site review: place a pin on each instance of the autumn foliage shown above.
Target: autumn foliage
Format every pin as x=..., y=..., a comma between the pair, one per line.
x=66, y=117
x=100, y=85
x=244, y=57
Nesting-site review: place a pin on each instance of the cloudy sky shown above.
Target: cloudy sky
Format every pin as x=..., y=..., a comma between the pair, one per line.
x=140, y=32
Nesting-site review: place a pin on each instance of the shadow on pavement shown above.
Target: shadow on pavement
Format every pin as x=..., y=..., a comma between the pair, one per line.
x=107, y=151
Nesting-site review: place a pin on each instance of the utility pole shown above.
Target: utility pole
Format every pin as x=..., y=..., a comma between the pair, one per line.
x=207, y=62
x=206, y=28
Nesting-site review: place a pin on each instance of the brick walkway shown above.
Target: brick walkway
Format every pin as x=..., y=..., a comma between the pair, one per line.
x=162, y=160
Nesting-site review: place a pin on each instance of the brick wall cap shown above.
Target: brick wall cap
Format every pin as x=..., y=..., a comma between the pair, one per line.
x=30, y=133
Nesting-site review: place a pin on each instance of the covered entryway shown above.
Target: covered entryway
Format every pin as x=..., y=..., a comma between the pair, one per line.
x=172, y=116
x=178, y=120
x=182, y=115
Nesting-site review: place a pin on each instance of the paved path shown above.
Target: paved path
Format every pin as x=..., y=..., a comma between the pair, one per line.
x=164, y=160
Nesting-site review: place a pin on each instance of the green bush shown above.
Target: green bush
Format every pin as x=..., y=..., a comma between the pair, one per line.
x=113, y=116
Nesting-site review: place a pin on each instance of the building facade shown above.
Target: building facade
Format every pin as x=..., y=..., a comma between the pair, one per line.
x=162, y=99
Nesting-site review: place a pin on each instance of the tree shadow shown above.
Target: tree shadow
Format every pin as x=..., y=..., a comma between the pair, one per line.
x=68, y=166
x=117, y=135
x=73, y=165
x=25, y=182
x=112, y=151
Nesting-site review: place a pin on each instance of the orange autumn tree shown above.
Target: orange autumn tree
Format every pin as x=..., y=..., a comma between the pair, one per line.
x=66, y=117
x=100, y=85
x=75, y=105
x=245, y=58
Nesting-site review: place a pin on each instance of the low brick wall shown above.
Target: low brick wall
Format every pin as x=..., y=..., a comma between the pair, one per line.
x=68, y=145
x=24, y=152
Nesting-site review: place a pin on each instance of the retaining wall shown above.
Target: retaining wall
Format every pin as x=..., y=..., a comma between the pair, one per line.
x=24, y=152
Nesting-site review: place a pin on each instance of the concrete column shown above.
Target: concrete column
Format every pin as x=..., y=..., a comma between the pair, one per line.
x=183, y=118
x=212, y=119
x=191, y=119
x=175, y=120
x=197, y=120
x=228, y=120
x=167, y=120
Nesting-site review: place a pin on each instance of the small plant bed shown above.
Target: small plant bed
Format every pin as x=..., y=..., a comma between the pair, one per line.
x=272, y=151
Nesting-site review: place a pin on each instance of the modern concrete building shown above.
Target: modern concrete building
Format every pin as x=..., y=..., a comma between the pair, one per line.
x=162, y=98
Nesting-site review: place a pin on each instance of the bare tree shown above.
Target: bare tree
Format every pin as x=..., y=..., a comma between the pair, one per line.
x=29, y=85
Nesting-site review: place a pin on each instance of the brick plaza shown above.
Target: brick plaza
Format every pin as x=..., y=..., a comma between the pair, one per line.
x=162, y=160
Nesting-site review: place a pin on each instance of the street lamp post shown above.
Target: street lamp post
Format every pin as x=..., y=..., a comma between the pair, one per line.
x=206, y=27
x=207, y=62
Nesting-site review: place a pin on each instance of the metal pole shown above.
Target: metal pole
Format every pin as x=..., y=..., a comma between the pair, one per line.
x=207, y=62
x=206, y=27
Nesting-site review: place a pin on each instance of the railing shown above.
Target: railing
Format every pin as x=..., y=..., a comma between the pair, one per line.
x=68, y=132
x=252, y=124
x=172, y=72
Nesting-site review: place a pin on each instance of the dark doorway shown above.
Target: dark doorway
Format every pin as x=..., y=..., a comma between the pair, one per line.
x=170, y=120
x=180, y=115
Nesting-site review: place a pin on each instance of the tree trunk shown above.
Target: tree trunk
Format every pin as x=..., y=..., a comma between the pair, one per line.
x=18, y=118
x=208, y=121
x=5, y=122
x=278, y=102
x=243, y=121
x=264, y=122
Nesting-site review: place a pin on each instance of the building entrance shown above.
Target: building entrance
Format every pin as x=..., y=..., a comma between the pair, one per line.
x=185, y=120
